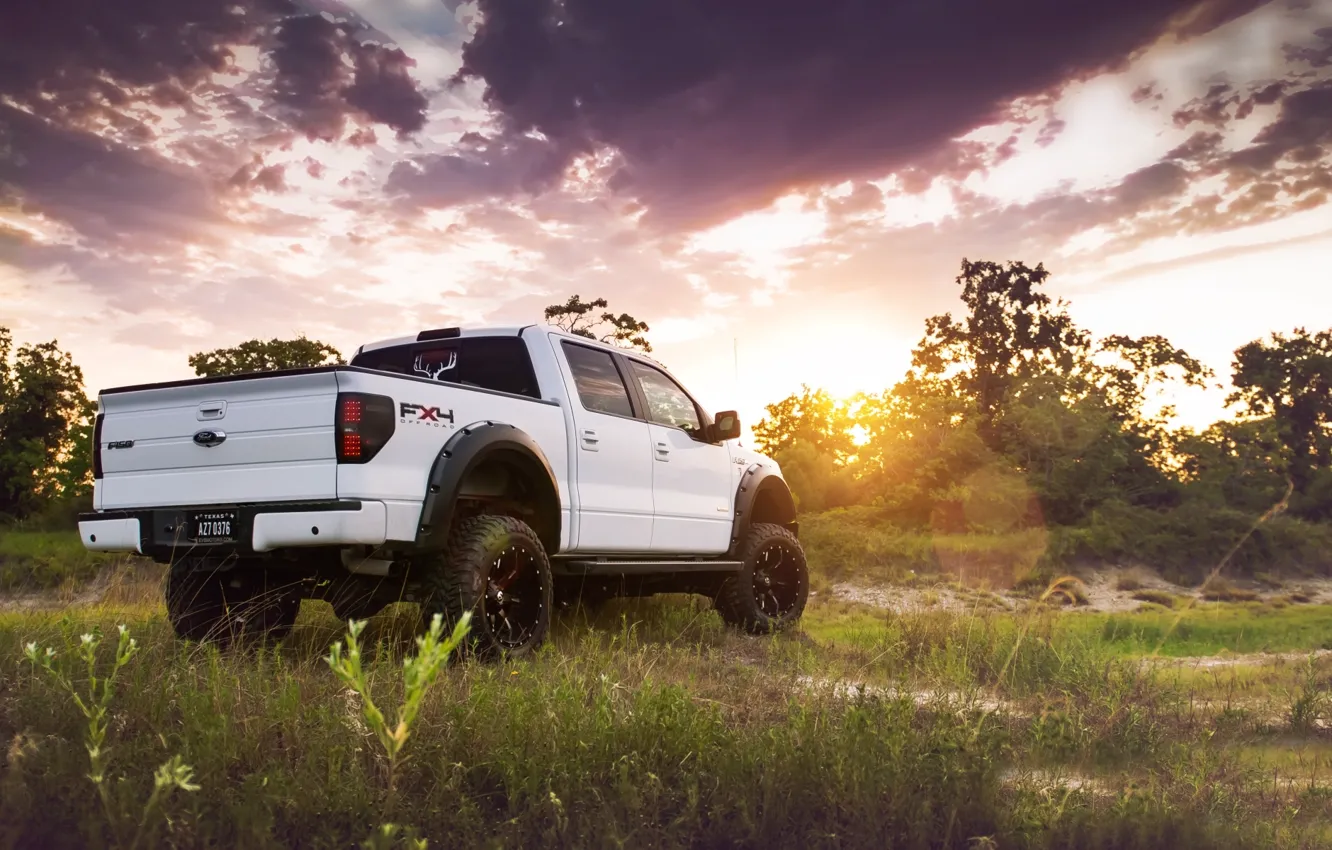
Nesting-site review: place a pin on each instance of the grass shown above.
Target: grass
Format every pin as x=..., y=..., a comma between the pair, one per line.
x=1219, y=589
x=46, y=559
x=856, y=543
x=1211, y=629
x=651, y=725
x=1185, y=544
x=1164, y=598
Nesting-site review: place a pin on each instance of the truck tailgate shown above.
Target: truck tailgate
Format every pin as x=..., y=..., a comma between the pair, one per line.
x=272, y=442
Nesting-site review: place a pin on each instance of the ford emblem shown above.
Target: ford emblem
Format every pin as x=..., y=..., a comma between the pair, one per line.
x=208, y=439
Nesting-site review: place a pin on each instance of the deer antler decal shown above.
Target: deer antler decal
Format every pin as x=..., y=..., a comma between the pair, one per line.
x=434, y=370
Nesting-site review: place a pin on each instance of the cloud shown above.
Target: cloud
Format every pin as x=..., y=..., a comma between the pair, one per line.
x=322, y=91
x=74, y=60
x=477, y=168
x=105, y=192
x=718, y=108
x=111, y=67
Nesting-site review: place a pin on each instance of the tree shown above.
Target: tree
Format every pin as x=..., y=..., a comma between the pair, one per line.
x=810, y=417
x=45, y=427
x=577, y=317
x=1012, y=332
x=1290, y=380
x=260, y=356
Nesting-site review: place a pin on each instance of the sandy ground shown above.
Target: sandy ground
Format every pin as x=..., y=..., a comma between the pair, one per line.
x=1102, y=590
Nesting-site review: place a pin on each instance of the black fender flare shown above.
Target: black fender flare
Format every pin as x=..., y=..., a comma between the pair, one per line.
x=760, y=481
x=467, y=449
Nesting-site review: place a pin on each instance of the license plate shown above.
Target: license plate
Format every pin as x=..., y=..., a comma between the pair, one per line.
x=213, y=527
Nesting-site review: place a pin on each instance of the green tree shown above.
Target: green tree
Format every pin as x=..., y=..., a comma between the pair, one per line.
x=264, y=356
x=1011, y=333
x=579, y=317
x=1289, y=378
x=1240, y=465
x=45, y=427
x=810, y=417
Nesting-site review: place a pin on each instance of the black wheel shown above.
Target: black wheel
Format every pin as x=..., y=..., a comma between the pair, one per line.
x=496, y=568
x=207, y=600
x=770, y=591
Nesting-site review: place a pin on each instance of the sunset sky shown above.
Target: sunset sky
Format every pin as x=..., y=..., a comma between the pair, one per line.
x=798, y=180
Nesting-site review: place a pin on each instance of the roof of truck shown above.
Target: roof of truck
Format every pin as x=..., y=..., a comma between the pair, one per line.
x=443, y=333
x=502, y=330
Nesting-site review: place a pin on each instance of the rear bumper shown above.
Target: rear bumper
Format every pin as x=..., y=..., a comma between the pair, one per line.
x=161, y=532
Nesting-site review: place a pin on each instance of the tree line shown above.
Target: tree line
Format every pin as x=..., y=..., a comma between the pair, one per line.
x=47, y=418
x=1012, y=416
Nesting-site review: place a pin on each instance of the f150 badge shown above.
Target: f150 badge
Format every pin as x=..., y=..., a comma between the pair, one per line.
x=420, y=414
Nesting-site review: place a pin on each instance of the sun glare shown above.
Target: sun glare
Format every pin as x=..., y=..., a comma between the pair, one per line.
x=766, y=239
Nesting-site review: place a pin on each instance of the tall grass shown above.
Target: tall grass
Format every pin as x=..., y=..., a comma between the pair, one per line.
x=46, y=559
x=650, y=726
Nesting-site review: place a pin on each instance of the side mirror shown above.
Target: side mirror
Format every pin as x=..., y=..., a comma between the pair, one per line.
x=727, y=426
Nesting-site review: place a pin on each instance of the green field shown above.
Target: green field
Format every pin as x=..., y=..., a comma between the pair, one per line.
x=651, y=725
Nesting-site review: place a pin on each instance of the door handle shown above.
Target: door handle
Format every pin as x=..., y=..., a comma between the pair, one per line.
x=590, y=439
x=663, y=451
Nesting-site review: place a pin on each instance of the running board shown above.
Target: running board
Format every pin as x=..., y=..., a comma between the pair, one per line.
x=608, y=567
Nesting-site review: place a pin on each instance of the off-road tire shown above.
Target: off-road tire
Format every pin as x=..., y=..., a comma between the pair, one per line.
x=239, y=605
x=746, y=601
x=466, y=579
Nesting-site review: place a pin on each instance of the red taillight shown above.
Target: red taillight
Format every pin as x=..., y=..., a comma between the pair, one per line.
x=351, y=446
x=97, y=447
x=351, y=409
x=364, y=425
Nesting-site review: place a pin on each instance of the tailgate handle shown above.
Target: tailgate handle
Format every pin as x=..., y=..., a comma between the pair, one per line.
x=211, y=410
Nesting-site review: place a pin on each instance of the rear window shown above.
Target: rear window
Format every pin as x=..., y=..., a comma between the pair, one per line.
x=499, y=363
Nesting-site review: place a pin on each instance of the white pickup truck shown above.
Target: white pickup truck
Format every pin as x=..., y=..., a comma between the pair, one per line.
x=501, y=471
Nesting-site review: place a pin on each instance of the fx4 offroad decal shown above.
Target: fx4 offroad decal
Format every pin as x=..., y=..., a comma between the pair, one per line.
x=420, y=414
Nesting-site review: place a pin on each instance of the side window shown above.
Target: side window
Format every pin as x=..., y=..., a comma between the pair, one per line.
x=600, y=387
x=497, y=363
x=668, y=404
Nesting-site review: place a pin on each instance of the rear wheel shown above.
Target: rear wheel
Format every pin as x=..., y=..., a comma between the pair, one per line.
x=497, y=569
x=207, y=600
x=770, y=591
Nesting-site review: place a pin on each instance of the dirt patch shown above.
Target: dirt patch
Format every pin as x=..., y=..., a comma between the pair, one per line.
x=1112, y=590
x=938, y=598
x=1254, y=659
x=935, y=698
x=132, y=583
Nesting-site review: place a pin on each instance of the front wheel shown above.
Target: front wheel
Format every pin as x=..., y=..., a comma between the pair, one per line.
x=770, y=590
x=497, y=569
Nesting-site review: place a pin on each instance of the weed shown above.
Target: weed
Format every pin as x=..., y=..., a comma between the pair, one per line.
x=1309, y=705
x=418, y=674
x=1129, y=581
x=1269, y=581
x=1164, y=598
x=94, y=702
x=1218, y=589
